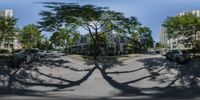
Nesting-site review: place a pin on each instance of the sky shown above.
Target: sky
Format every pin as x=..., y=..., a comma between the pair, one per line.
x=150, y=13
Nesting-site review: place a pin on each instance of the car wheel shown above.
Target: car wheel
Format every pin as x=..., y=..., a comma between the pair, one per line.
x=178, y=60
x=167, y=57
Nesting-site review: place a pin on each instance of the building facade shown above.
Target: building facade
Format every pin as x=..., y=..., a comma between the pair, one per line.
x=163, y=36
x=6, y=13
x=113, y=44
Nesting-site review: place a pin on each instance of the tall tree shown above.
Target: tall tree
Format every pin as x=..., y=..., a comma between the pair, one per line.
x=130, y=26
x=145, y=37
x=31, y=36
x=7, y=28
x=95, y=20
x=64, y=37
x=186, y=25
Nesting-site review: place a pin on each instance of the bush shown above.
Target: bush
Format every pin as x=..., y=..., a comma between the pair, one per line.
x=4, y=51
x=16, y=50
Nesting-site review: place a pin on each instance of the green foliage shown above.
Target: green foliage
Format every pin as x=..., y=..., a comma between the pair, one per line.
x=64, y=37
x=186, y=25
x=7, y=28
x=96, y=20
x=7, y=25
x=30, y=36
x=145, y=37
x=197, y=46
x=159, y=45
x=4, y=51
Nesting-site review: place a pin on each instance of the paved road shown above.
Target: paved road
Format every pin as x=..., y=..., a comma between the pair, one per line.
x=142, y=77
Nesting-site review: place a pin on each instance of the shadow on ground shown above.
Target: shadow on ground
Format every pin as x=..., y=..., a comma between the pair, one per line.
x=16, y=81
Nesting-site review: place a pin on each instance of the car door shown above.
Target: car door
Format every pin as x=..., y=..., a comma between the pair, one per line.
x=169, y=55
x=175, y=53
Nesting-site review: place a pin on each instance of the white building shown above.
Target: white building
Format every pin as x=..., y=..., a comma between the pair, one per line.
x=6, y=13
x=163, y=36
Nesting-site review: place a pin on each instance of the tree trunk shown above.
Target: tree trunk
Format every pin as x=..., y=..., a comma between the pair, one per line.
x=95, y=50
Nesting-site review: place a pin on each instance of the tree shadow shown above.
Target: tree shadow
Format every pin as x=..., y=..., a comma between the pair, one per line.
x=183, y=79
x=52, y=62
x=17, y=81
x=187, y=74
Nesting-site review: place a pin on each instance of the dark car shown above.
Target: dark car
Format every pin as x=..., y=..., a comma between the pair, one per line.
x=24, y=56
x=180, y=56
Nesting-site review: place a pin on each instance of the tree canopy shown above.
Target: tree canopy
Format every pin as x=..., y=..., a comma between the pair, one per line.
x=30, y=36
x=7, y=27
x=186, y=25
x=97, y=21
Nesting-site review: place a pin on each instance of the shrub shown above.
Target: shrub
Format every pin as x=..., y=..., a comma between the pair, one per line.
x=4, y=51
x=16, y=50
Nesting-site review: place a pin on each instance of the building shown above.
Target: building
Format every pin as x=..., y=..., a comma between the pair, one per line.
x=113, y=44
x=9, y=42
x=180, y=41
x=163, y=36
x=6, y=13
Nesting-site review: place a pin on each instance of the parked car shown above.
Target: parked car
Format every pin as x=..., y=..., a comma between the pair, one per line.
x=180, y=56
x=42, y=53
x=24, y=56
x=164, y=52
x=153, y=52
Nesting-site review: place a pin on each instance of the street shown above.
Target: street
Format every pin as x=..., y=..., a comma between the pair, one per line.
x=144, y=76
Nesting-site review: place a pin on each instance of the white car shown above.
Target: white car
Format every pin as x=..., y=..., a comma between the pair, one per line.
x=180, y=56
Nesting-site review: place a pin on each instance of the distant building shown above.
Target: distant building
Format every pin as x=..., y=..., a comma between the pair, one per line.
x=163, y=36
x=6, y=13
x=9, y=42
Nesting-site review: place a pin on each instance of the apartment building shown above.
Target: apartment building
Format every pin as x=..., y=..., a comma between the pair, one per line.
x=114, y=44
x=9, y=42
x=163, y=36
x=6, y=13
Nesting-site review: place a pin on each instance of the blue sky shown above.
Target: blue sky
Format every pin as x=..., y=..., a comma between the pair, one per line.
x=150, y=13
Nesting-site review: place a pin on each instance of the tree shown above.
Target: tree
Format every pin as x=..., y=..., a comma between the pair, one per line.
x=159, y=45
x=130, y=26
x=7, y=29
x=145, y=37
x=58, y=39
x=45, y=44
x=31, y=36
x=183, y=26
x=95, y=20
x=64, y=38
